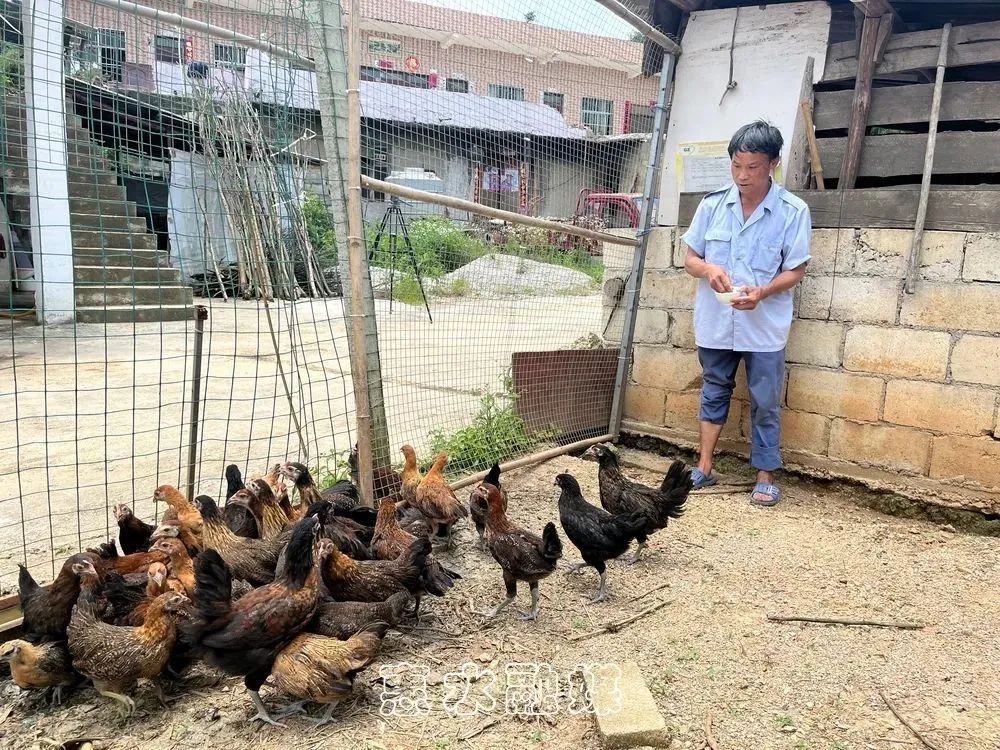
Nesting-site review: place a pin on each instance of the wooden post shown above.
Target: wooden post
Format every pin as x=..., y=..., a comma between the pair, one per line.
x=815, y=163
x=862, y=103
x=797, y=165
x=338, y=88
x=925, y=182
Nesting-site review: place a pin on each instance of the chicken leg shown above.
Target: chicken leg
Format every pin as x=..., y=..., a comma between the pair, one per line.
x=262, y=713
x=126, y=706
x=326, y=718
x=636, y=555
x=602, y=592
x=299, y=707
x=532, y=614
x=500, y=607
x=577, y=569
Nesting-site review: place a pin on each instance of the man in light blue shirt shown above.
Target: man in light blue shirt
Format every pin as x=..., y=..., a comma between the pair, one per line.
x=751, y=238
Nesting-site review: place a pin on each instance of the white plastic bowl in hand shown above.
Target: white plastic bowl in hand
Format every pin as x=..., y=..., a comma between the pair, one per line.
x=728, y=298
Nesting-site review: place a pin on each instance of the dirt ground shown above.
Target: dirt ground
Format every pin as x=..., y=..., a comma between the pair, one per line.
x=710, y=651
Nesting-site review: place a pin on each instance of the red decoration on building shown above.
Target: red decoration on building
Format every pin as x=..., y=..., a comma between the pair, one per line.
x=189, y=49
x=412, y=63
x=524, y=187
x=627, y=117
x=432, y=79
x=386, y=64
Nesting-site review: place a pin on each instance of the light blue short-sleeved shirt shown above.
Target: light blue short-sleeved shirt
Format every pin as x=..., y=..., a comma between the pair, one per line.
x=774, y=239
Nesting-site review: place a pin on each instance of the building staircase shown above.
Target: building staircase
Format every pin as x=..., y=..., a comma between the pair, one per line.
x=119, y=274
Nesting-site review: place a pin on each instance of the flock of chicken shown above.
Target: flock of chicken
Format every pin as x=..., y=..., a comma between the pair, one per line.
x=301, y=593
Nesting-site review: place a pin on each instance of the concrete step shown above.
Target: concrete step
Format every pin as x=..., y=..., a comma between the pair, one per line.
x=76, y=173
x=134, y=314
x=119, y=257
x=17, y=150
x=97, y=238
x=100, y=296
x=82, y=206
x=107, y=221
x=124, y=275
x=92, y=190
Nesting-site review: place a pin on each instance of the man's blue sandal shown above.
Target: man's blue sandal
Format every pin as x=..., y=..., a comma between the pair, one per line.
x=700, y=480
x=771, y=494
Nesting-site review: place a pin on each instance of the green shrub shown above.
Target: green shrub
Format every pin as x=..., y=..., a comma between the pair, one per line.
x=322, y=232
x=440, y=246
x=11, y=68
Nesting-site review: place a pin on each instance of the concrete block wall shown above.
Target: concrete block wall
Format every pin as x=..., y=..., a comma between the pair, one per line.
x=899, y=389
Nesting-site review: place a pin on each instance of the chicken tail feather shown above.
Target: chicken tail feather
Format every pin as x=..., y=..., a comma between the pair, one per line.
x=675, y=488
x=436, y=580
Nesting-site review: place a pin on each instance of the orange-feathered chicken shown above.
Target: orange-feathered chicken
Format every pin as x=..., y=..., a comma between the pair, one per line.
x=116, y=657
x=523, y=556
x=477, y=503
x=186, y=514
x=43, y=666
x=181, y=571
x=411, y=476
x=273, y=520
x=320, y=669
x=436, y=500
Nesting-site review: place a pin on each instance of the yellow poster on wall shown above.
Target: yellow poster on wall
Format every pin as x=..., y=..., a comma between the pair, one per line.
x=703, y=166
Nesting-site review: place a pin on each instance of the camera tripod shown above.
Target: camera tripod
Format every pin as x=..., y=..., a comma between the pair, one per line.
x=394, y=227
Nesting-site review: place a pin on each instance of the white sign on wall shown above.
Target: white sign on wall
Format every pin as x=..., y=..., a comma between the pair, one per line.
x=769, y=60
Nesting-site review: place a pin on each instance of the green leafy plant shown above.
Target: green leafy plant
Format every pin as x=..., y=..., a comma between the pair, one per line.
x=321, y=229
x=439, y=245
x=332, y=468
x=11, y=68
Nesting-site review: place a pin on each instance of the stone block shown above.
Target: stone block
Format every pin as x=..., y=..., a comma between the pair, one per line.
x=982, y=257
x=959, y=409
x=827, y=245
x=814, y=295
x=953, y=307
x=897, y=351
x=814, y=342
x=680, y=249
x=652, y=326
x=941, y=256
x=864, y=300
x=682, y=329
x=801, y=431
x=880, y=252
x=975, y=459
x=682, y=411
x=976, y=359
x=660, y=249
x=882, y=445
x=626, y=714
x=835, y=394
x=668, y=289
x=666, y=367
x=644, y=404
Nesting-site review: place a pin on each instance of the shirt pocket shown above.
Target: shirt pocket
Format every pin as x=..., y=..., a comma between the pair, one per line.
x=717, y=246
x=765, y=261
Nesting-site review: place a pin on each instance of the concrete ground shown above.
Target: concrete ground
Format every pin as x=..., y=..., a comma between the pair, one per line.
x=95, y=416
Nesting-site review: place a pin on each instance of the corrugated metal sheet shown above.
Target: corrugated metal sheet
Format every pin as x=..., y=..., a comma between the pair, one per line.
x=386, y=101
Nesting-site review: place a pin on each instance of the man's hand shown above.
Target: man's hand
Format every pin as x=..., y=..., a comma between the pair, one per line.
x=752, y=295
x=717, y=278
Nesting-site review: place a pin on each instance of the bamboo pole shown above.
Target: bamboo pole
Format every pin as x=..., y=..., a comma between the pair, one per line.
x=534, y=458
x=925, y=183
x=814, y=161
x=494, y=213
x=356, y=253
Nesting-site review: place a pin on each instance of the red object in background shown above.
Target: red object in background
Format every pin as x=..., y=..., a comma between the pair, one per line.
x=524, y=187
x=412, y=63
x=189, y=49
x=627, y=117
x=432, y=79
x=386, y=64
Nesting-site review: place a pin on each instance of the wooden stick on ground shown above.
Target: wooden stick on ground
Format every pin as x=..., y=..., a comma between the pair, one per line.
x=923, y=740
x=847, y=621
x=614, y=627
x=647, y=593
x=709, y=743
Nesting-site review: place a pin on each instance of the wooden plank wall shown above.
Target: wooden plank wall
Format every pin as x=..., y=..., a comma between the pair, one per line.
x=948, y=209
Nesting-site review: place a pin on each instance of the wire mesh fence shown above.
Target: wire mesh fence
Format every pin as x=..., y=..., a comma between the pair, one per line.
x=181, y=161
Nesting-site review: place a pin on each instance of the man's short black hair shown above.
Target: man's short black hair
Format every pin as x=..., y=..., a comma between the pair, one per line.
x=757, y=138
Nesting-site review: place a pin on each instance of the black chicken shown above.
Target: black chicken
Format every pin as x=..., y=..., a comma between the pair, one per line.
x=598, y=535
x=234, y=480
x=133, y=533
x=477, y=504
x=621, y=496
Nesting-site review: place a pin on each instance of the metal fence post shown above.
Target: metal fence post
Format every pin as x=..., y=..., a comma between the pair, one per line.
x=647, y=217
x=200, y=316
